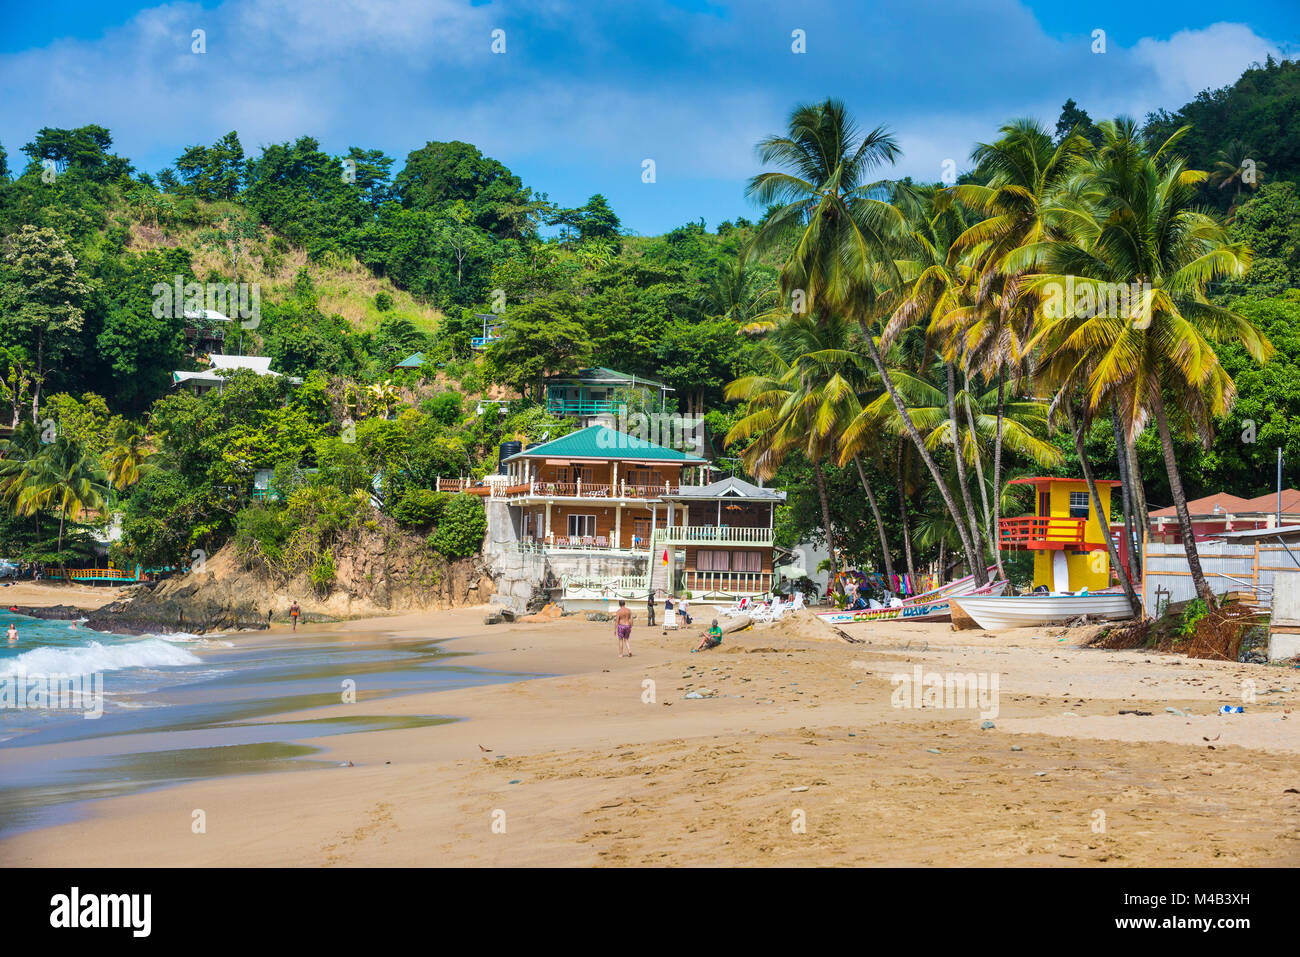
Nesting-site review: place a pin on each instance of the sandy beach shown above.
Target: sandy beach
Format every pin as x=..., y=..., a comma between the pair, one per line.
x=797, y=755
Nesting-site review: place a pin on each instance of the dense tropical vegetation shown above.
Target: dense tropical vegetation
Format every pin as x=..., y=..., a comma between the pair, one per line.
x=891, y=352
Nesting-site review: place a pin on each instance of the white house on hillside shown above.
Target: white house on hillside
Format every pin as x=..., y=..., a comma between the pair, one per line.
x=213, y=377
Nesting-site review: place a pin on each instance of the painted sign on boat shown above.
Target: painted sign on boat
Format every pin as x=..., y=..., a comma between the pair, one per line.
x=928, y=610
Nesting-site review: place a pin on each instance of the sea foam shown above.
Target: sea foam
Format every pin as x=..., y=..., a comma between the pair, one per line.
x=94, y=657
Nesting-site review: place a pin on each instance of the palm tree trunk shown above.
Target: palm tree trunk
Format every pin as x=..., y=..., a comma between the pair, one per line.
x=997, y=475
x=979, y=464
x=902, y=512
x=1103, y=518
x=875, y=511
x=977, y=566
x=826, y=515
x=1139, y=498
x=1180, y=502
x=1126, y=490
x=977, y=539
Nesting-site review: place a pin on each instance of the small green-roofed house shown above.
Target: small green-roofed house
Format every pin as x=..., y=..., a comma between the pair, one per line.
x=413, y=361
x=599, y=391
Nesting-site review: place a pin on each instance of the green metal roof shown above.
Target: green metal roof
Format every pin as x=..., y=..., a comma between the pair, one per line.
x=602, y=442
x=413, y=361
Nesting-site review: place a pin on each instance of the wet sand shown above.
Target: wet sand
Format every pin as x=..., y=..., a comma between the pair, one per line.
x=584, y=768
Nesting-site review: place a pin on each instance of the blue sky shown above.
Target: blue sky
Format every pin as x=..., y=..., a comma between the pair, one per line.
x=587, y=90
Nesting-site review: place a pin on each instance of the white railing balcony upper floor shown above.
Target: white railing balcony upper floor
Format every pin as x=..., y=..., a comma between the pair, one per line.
x=714, y=535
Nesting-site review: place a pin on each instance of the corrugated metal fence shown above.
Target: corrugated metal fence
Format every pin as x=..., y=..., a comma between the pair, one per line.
x=1227, y=566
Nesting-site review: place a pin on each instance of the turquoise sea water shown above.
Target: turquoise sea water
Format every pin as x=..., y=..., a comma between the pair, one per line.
x=153, y=710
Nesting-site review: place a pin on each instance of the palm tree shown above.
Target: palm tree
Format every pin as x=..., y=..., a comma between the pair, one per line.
x=737, y=291
x=1032, y=193
x=843, y=232
x=829, y=366
x=383, y=396
x=61, y=476
x=127, y=455
x=1236, y=165
x=1157, y=338
x=1023, y=421
x=780, y=418
x=937, y=292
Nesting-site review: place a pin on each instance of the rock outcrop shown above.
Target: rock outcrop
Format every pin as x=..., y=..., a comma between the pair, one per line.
x=380, y=573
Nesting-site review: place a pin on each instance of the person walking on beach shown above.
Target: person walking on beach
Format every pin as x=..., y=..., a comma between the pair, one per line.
x=12, y=633
x=623, y=628
x=683, y=609
x=294, y=612
x=650, y=607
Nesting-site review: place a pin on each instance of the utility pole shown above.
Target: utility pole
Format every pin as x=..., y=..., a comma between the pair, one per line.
x=1279, y=486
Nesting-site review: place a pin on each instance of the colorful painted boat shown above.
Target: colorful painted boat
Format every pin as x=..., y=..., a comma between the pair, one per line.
x=936, y=608
x=1018, y=611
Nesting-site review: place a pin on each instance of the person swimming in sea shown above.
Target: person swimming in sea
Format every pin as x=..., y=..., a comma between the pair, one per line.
x=12, y=633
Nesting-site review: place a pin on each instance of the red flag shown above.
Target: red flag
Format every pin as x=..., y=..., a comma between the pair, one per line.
x=665, y=557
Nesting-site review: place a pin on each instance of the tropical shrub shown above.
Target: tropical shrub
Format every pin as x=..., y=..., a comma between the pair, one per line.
x=461, y=528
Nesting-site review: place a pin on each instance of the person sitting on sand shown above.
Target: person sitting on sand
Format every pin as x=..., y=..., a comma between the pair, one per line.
x=623, y=628
x=294, y=612
x=712, y=638
x=12, y=633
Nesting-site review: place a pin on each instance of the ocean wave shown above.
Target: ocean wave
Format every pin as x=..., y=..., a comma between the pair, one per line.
x=94, y=657
x=186, y=638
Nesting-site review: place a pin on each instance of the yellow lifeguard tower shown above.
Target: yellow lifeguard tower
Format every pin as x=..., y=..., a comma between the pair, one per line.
x=1065, y=533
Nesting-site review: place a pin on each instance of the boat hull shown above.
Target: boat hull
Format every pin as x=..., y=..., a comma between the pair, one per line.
x=997, y=613
x=930, y=611
x=936, y=610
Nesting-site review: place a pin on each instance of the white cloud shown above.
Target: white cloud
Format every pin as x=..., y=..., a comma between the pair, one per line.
x=1194, y=60
x=587, y=91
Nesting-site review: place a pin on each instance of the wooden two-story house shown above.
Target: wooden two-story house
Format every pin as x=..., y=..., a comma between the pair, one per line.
x=643, y=514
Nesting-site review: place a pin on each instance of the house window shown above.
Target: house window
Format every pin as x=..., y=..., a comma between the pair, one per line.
x=582, y=525
x=1044, y=504
x=747, y=561
x=1078, y=505
x=708, y=560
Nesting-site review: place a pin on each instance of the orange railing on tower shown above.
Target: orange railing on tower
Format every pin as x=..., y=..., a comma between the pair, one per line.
x=1038, y=532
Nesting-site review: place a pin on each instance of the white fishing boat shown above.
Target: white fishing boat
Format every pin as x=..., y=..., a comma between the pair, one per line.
x=997, y=613
x=931, y=606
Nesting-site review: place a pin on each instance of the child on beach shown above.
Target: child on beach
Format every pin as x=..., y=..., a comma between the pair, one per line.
x=623, y=628
x=712, y=638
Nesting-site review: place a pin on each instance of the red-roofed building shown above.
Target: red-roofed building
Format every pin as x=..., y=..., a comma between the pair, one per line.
x=1218, y=513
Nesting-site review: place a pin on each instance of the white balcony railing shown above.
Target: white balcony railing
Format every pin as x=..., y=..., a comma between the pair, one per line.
x=710, y=585
x=714, y=535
